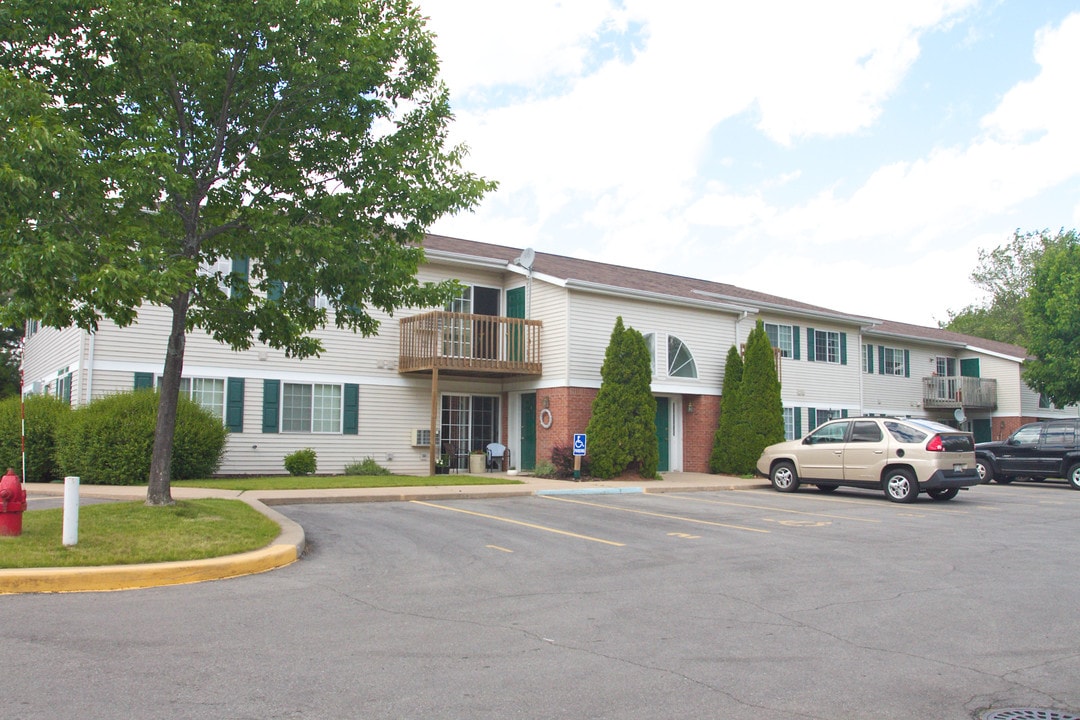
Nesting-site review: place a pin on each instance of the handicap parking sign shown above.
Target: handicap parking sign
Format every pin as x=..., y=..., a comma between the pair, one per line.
x=579, y=443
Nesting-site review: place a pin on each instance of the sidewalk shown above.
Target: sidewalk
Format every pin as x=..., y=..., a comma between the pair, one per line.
x=289, y=545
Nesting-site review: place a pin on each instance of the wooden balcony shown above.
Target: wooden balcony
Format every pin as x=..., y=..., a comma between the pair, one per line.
x=960, y=392
x=469, y=345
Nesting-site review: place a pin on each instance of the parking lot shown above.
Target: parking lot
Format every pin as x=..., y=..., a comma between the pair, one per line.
x=747, y=604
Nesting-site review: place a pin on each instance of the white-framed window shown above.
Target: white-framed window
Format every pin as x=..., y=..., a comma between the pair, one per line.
x=680, y=359
x=209, y=393
x=32, y=326
x=824, y=416
x=650, y=341
x=311, y=408
x=789, y=424
x=868, y=358
x=827, y=346
x=781, y=337
x=945, y=366
x=892, y=361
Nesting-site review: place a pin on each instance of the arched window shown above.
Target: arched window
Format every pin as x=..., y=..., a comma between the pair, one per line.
x=680, y=360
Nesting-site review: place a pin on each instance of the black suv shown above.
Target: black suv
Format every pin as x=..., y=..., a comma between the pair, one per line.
x=1036, y=451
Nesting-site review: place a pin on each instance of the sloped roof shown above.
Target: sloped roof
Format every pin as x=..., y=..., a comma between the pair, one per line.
x=616, y=277
x=632, y=279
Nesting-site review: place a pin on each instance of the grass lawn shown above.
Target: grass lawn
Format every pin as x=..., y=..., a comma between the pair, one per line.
x=317, y=482
x=131, y=532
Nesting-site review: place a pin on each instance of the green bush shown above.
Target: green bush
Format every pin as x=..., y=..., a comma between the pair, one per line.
x=367, y=467
x=44, y=415
x=545, y=469
x=301, y=462
x=110, y=441
x=562, y=463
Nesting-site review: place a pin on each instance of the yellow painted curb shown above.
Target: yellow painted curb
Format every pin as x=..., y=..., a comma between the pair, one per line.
x=285, y=550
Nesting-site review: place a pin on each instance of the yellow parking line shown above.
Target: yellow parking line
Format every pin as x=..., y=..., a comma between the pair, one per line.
x=655, y=514
x=770, y=509
x=519, y=522
x=938, y=507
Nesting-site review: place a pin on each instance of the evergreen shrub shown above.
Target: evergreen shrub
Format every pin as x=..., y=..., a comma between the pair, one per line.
x=44, y=416
x=365, y=468
x=110, y=440
x=301, y=462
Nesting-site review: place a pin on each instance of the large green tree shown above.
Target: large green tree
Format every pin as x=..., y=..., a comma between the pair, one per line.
x=1052, y=317
x=622, y=428
x=1004, y=273
x=308, y=139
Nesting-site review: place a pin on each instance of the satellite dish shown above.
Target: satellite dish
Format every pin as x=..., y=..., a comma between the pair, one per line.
x=958, y=413
x=525, y=259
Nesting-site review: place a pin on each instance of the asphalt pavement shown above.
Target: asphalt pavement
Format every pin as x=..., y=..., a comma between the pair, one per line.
x=289, y=545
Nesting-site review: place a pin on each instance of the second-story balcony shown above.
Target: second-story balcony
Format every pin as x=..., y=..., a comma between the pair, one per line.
x=468, y=344
x=960, y=392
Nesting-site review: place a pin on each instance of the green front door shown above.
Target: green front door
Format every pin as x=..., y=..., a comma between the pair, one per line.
x=528, y=431
x=982, y=429
x=515, y=340
x=663, y=430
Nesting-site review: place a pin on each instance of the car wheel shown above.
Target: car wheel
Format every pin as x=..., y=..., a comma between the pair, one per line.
x=826, y=488
x=784, y=478
x=1073, y=477
x=986, y=473
x=943, y=494
x=901, y=486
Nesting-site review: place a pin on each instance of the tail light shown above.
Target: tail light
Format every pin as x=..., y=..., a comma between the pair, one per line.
x=935, y=444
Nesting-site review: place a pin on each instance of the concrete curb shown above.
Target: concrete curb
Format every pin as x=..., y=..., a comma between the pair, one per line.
x=289, y=545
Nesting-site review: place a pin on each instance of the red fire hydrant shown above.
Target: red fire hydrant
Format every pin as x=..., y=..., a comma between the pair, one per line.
x=12, y=504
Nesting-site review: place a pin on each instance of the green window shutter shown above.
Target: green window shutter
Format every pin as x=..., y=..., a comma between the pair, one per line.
x=810, y=344
x=870, y=359
x=144, y=381
x=795, y=340
x=907, y=363
x=843, y=348
x=66, y=395
x=271, y=405
x=811, y=419
x=881, y=360
x=797, y=413
x=350, y=422
x=234, y=404
x=241, y=266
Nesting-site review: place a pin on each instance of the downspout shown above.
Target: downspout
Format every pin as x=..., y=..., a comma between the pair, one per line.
x=90, y=368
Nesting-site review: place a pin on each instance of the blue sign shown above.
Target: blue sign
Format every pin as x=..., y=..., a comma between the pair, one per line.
x=579, y=443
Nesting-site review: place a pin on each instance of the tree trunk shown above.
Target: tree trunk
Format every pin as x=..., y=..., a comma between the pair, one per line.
x=158, y=491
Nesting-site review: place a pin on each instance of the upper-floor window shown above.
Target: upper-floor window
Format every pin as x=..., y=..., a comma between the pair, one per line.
x=32, y=326
x=892, y=361
x=945, y=366
x=781, y=338
x=827, y=346
x=680, y=360
x=868, y=358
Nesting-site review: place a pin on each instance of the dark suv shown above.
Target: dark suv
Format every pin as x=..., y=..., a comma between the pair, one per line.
x=1036, y=451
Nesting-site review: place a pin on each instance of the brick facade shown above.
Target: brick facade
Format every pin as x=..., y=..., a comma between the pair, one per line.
x=699, y=429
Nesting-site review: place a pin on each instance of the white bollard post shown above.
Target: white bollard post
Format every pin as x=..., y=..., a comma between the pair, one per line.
x=71, y=510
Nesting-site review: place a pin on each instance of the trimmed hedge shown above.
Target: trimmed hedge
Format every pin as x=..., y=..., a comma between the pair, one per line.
x=44, y=415
x=301, y=462
x=110, y=441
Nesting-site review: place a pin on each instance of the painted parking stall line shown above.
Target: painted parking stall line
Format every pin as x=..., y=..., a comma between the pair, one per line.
x=522, y=523
x=649, y=513
x=771, y=509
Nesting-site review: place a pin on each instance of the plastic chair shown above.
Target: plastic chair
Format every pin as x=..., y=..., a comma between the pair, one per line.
x=496, y=454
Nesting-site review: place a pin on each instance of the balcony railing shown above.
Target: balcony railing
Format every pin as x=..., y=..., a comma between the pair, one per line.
x=960, y=392
x=467, y=344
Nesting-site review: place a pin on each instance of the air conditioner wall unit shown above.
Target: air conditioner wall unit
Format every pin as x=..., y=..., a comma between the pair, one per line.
x=421, y=437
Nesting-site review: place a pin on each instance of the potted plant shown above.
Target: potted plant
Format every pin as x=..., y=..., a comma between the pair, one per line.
x=442, y=464
x=477, y=462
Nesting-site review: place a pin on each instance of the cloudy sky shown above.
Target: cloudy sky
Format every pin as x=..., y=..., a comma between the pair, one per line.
x=845, y=153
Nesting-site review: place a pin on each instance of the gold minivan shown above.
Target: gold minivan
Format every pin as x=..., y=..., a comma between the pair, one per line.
x=900, y=456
